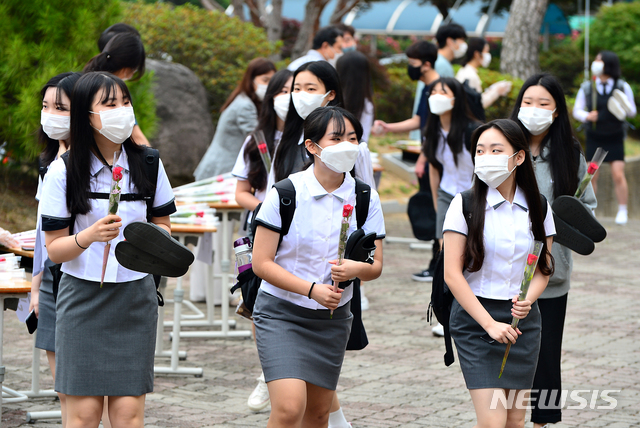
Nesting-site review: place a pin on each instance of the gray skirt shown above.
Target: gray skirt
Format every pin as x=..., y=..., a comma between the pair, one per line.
x=105, y=337
x=46, y=332
x=444, y=200
x=480, y=361
x=300, y=343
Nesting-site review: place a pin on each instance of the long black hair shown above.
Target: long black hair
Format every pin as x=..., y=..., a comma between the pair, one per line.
x=289, y=153
x=525, y=179
x=355, y=77
x=114, y=29
x=564, y=148
x=124, y=50
x=267, y=123
x=88, y=88
x=64, y=84
x=461, y=120
x=474, y=44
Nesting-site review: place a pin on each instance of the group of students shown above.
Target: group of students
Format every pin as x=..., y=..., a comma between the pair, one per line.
x=100, y=339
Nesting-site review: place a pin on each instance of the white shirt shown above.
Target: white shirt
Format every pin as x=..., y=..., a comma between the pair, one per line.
x=469, y=73
x=312, y=55
x=88, y=265
x=507, y=239
x=241, y=168
x=580, y=107
x=366, y=119
x=313, y=237
x=455, y=178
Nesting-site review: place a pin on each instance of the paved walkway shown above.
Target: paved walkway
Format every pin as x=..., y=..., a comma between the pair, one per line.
x=400, y=379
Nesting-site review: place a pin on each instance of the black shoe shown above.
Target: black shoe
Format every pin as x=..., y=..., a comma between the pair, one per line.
x=157, y=242
x=424, y=276
x=576, y=214
x=133, y=258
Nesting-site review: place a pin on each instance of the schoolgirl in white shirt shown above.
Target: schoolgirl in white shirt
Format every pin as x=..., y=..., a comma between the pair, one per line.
x=253, y=176
x=105, y=335
x=300, y=344
x=484, y=261
x=447, y=142
x=54, y=136
x=249, y=168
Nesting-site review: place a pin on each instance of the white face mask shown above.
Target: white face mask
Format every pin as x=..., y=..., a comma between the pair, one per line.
x=305, y=103
x=597, y=68
x=55, y=126
x=340, y=157
x=486, y=59
x=493, y=169
x=536, y=120
x=281, y=105
x=461, y=51
x=260, y=91
x=117, y=124
x=439, y=104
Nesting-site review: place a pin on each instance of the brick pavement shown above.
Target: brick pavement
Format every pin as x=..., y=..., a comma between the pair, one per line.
x=399, y=380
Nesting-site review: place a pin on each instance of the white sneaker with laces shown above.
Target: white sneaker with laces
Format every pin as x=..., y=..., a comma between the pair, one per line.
x=622, y=217
x=438, y=330
x=259, y=398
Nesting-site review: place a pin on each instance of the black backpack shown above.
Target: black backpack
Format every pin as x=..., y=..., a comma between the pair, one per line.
x=474, y=100
x=249, y=282
x=441, y=296
x=150, y=167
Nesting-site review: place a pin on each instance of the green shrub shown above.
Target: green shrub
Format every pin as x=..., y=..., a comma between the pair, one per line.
x=503, y=106
x=217, y=48
x=39, y=39
x=565, y=60
x=393, y=93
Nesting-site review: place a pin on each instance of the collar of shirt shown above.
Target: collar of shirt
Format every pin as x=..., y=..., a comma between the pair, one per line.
x=316, y=54
x=97, y=165
x=317, y=191
x=495, y=199
x=606, y=85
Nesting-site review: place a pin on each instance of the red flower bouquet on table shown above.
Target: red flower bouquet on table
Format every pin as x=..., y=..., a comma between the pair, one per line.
x=529, y=270
x=114, y=202
x=593, y=167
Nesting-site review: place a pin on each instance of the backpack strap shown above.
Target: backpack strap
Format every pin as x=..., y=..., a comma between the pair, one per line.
x=42, y=170
x=287, y=194
x=363, y=197
x=150, y=167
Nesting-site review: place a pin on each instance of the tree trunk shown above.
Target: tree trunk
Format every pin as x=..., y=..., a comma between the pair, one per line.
x=308, y=28
x=255, y=12
x=521, y=42
x=211, y=5
x=238, y=8
x=342, y=8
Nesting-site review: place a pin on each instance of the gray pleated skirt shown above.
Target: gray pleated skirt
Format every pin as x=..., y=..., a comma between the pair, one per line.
x=46, y=332
x=300, y=343
x=105, y=337
x=480, y=361
x=444, y=200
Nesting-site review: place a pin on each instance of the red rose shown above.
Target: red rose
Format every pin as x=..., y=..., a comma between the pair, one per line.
x=219, y=178
x=224, y=200
x=117, y=173
x=593, y=167
x=532, y=259
x=347, y=210
x=200, y=214
x=262, y=147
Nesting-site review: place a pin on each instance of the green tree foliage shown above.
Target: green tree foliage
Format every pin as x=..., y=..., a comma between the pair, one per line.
x=217, y=48
x=39, y=39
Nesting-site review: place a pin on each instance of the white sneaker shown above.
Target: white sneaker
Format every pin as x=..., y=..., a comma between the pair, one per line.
x=622, y=217
x=259, y=398
x=364, y=303
x=438, y=330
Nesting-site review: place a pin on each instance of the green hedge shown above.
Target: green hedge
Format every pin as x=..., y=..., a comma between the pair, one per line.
x=217, y=48
x=39, y=39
